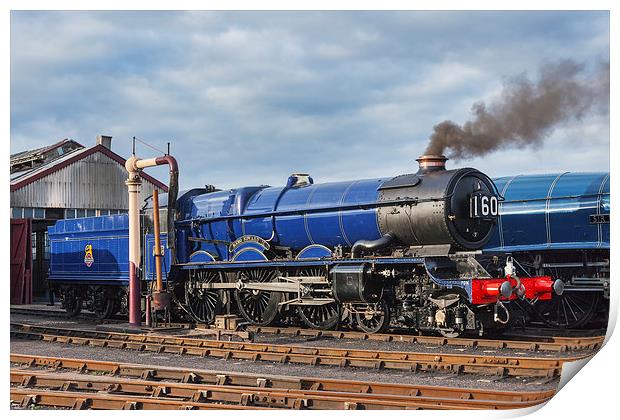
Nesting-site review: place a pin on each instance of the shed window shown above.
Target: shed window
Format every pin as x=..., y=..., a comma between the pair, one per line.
x=70, y=214
x=54, y=213
x=46, y=248
x=33, y=243
x=16, y=213
x=39, y=213
x=91, y=212
x=28, y=212
x=80, y=213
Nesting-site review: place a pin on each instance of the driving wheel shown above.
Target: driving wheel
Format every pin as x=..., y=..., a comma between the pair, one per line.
x=259, y=307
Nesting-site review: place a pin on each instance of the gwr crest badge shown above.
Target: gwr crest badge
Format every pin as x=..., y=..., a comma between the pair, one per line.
x=88, y=255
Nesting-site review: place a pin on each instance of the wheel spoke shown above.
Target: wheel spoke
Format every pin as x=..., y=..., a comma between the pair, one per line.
x=202, y=303
x=323, y=317
x=379, y=320
x=257, y=306
x=570, y=308
x=564, y=311
x=572, y=299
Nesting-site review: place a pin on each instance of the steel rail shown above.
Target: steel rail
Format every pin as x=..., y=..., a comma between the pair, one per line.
x=115, y=319
x=26, y=398
x=54, y=313
x=526, y=342
x=183, y=375
x=222, y=394
x=551, y=344
x=275, y=392
x=453, y=363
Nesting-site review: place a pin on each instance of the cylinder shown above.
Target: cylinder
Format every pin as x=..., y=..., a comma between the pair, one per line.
x=353, y=283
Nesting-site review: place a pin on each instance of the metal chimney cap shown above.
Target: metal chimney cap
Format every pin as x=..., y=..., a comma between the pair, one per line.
x=432, y=163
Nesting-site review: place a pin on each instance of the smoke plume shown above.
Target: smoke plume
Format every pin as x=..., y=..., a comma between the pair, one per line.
x=526, y=112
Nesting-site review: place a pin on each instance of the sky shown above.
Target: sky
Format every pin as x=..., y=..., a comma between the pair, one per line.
x=247, y=98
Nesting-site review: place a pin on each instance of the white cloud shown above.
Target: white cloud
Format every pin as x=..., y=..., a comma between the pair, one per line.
x=249, y=97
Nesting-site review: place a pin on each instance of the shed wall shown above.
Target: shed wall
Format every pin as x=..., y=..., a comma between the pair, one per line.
x=95, y=182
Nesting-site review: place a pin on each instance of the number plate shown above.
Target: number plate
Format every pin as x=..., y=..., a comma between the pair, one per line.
x=599, y=218
x=483, y=206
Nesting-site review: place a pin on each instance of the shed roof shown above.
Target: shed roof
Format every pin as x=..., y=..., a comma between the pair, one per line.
x=30, y=159
x=23, y=178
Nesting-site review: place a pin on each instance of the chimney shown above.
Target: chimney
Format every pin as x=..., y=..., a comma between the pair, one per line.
x=431, y=163
x=105, y=141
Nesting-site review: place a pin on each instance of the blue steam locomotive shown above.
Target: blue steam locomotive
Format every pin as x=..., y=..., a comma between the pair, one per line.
x=403, y=251
x=558, y=225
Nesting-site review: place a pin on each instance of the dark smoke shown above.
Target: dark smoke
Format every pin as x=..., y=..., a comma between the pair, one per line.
x=526, y=112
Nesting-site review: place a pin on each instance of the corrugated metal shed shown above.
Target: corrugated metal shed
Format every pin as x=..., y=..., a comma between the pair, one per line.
x=29, y=159
x=91, y=178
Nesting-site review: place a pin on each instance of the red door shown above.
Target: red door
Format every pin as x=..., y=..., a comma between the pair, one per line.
x=21, y=261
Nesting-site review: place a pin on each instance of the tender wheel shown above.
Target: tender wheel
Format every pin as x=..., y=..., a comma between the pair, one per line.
x=570, y=310
x=122, y=301
x=72, y=302
x=103, y=302
x=259, y=307
x=203, y=303
x=375, y=319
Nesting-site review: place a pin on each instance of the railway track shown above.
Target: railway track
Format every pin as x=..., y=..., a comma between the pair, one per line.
x=53, y=313
x=527, y=341
x=499, y=366
x=88, y=316
x=80, y=384
x=541, y=343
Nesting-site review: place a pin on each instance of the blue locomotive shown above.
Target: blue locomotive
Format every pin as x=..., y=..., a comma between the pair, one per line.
x=558, y=225
x=399, y=251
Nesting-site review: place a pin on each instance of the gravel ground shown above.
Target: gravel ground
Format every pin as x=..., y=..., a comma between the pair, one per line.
x=129, y=356
x=268, y=368
x=40, y=348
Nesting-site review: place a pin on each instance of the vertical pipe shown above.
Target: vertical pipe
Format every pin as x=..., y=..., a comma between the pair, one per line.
x=133, y=185
x=133, y=166
x=157, y=249
x=149, y=322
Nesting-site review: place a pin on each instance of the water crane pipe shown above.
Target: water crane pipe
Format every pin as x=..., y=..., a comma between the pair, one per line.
x=134, y=165
x=157, y=231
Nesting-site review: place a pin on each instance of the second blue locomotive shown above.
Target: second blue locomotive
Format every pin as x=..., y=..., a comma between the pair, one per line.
x=558, y=225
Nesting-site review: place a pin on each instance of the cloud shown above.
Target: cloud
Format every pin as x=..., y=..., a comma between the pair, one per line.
x=249, y=97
